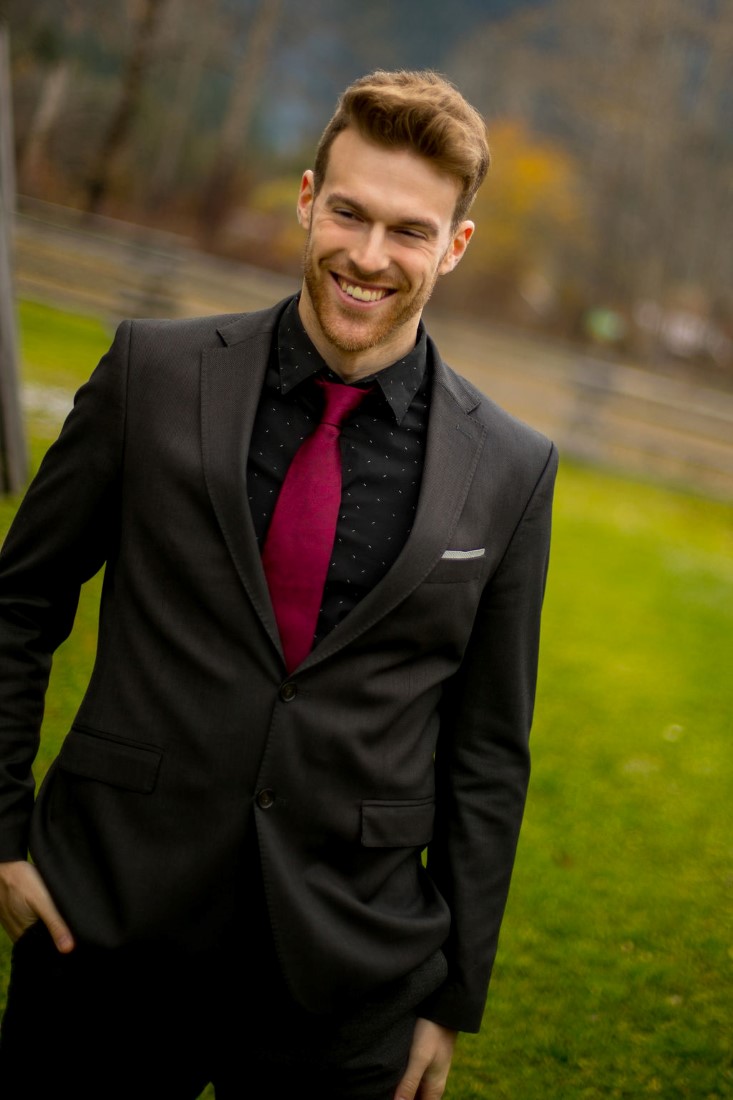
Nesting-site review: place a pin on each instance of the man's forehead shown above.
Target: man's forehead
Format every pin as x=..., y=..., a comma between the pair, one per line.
x=351, y=143
x=372, y=175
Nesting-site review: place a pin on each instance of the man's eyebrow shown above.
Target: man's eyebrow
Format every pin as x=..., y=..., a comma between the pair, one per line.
x=427, y=225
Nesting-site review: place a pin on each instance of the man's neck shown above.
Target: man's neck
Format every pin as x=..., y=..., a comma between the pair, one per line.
x=353, y=366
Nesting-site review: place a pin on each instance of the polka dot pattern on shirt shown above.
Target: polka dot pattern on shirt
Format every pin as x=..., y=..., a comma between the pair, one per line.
x=382, y=451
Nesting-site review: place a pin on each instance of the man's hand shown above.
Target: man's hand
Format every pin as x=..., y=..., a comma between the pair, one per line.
x=24, y=899
x=429, y=1063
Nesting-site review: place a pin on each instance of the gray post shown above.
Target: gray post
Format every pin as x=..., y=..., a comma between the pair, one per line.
x=13, y=457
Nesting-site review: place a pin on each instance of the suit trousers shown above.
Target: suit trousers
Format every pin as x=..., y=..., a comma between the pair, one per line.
x=159, y=1024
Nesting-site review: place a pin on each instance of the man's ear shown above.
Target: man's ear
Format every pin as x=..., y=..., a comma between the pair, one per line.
x=305, y=199
x=458, y=245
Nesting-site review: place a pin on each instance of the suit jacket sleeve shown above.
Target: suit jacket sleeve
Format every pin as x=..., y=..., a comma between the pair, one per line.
x=58, y=540
x=482, y=762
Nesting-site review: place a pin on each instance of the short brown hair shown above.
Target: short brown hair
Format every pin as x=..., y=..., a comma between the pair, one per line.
x=421, y=111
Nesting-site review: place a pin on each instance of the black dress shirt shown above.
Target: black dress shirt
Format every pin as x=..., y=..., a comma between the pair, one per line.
x=382, y=454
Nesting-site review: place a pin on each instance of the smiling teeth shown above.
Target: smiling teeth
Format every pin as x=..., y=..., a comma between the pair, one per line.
x=360, y=293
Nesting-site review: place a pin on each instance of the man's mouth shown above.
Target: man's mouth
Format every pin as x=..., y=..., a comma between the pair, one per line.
x=362, y=293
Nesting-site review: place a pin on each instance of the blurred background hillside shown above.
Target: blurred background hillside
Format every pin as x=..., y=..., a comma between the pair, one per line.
x=607, y=217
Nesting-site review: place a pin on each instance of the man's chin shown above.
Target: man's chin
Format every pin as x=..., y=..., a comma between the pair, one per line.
x=355, y=336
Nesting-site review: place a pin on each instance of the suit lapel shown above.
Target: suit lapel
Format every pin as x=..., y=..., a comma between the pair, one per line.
x=231, y=383
x=454, y=443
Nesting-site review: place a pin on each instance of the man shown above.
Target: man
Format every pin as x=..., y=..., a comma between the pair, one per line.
x=227, y=880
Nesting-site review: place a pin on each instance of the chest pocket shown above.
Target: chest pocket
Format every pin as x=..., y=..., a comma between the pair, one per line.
x=452, y=570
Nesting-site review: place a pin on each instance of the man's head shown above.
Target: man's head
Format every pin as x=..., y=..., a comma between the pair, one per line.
x=384, y=207
x=419, y=111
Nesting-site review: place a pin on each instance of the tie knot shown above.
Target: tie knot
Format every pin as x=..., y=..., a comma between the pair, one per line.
x=340, y=401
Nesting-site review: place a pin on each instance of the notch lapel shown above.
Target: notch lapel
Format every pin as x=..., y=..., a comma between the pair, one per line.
x=231, y=384
x=454, y=443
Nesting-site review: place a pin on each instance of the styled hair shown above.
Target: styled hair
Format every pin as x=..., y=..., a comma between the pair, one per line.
x=421, y=111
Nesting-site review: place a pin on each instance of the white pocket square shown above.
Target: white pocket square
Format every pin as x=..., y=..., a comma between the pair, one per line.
x=463, y=555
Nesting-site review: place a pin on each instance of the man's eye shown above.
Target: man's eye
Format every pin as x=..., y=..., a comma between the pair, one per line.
x=415, y=234
x=349, y=215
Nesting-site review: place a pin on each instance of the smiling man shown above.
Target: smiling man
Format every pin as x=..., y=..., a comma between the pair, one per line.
x=325, y=562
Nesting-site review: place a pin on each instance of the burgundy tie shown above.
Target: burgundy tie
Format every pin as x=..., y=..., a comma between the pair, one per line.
x=303, y=527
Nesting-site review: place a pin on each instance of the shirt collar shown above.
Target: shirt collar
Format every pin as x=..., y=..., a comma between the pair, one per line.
x=298, y=360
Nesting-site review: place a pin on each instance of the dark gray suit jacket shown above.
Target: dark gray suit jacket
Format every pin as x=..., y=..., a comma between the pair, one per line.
x=406, y=728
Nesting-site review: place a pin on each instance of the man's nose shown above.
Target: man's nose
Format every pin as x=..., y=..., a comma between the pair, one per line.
x=369, y=251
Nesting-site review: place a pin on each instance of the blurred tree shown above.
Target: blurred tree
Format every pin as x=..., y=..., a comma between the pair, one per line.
x=531, y=227
x=52, y=34
x=531, y=205
x=188, y=35
x=13, y=457
x=640, y=94
x=56, y=64
x=60, y=104
x=146, y=15
x=218, y=191
x=183, y=120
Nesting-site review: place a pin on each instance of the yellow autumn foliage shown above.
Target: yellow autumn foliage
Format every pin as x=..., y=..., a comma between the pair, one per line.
x=274, y=202
x=530, y=206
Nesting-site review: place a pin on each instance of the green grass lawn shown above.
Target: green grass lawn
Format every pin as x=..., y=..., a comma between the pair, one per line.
x=614, y=971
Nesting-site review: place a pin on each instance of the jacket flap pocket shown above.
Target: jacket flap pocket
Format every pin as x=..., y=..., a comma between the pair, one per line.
x=393, y=824
x=118, y=763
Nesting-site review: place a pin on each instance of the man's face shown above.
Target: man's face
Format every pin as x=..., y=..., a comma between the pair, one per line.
x=379, y=235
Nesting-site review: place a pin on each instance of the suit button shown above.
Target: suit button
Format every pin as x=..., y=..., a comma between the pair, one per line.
x=265, y=798
x=288, y=692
